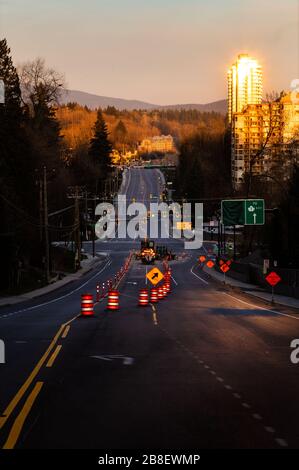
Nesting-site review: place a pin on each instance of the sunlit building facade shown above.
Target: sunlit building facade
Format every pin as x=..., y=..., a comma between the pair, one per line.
x=245, y=84
x=261, y=133
x=161, y=143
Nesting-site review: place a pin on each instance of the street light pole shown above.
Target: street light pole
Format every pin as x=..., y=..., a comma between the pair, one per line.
x=46, y=227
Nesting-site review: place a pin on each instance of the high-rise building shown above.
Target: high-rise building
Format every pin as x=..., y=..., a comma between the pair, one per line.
x=261, y=134
x=245, y=84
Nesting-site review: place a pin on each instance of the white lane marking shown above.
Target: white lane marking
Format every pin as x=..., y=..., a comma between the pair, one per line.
x=245, y=405
x=261, y=308
x=58, y=298
x=174, y=280
x=196, y=275
x=127, y=361
x=270, y=429
x=281, y=442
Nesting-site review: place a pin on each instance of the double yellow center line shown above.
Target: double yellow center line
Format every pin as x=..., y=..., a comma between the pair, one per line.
x=20, y=420
x=18, y=424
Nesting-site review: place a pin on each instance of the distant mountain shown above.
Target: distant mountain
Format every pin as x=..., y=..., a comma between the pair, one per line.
x=96, y=101
x=216, y=106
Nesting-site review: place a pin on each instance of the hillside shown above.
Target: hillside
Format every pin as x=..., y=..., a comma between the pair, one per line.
x=96, y=101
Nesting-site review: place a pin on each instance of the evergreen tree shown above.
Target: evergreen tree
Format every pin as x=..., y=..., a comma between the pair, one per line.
x=11, y=80
x=15, y=171
x=10, y=110
x=120, y=135
x=100, y=147
x=120, y=130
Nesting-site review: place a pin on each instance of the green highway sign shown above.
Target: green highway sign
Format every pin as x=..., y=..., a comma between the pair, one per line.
x=254, y=212
x=243, y=212
x=232, y=212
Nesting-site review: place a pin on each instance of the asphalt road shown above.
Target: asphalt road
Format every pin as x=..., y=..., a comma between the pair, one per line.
x=208, y=368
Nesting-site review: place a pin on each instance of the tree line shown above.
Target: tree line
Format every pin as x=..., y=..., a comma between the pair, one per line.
x=128, y=128
x=34, y=169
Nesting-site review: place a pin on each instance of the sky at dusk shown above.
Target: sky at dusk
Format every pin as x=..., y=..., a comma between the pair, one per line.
x=160, y=51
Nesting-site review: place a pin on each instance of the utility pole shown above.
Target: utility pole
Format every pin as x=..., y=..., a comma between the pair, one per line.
x=76, y=193
x=219, y=238
x=46, y=227
x=86, y=216
x=41, y=203
x=235, y=248
x=93, y=227
x=77, y=231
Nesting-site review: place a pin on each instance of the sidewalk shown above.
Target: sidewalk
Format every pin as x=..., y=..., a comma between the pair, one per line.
x=253, y=290
x=87, y=265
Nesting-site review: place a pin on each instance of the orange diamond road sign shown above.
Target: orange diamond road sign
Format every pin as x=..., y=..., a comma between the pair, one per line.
x=273, y=278
x=202, y=259
x=210, y=264
x=155, y=276
x=224, y=268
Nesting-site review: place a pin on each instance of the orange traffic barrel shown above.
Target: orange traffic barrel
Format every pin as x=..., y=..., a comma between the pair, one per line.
x=154, y=295
x=164, y=290
x=86, y=305
x=113, y=300
x=160, y=293
x=143, y=297
x=168, y=286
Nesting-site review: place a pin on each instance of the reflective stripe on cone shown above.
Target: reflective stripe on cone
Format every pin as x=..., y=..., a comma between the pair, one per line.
x=164, y=290
x=160, y=293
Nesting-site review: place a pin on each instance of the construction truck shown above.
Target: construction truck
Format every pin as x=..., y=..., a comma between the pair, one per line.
x=149, y=252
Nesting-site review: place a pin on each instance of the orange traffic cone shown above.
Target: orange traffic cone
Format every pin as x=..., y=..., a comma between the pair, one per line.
x=87, y=305
x=113, y=300
x=143, y=298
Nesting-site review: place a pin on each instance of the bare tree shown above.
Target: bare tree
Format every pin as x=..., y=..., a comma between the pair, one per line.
x=40, y=84
x=273, y=125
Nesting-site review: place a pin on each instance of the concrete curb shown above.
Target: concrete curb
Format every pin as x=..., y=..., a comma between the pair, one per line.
x=254, y=291
x=89, y=265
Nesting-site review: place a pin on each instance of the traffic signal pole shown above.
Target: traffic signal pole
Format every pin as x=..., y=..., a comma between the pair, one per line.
x=235, y=251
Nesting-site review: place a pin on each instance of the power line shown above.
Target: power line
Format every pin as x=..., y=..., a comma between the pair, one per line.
x=32, y=221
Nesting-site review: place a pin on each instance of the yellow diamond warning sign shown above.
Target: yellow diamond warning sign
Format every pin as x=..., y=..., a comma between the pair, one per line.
x=155, y=276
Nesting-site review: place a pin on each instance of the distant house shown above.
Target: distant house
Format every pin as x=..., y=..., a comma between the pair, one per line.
x=160, y=143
